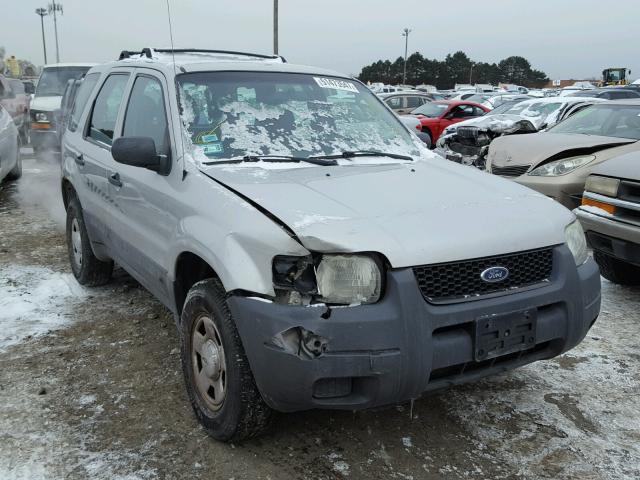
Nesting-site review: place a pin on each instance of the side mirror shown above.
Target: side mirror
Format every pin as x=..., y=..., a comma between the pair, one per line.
x=140, y=152
x=29, y=88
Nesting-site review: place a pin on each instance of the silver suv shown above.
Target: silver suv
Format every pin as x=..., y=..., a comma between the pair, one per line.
x=314, y=252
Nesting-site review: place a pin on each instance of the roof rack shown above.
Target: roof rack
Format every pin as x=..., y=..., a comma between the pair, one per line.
x=148, y=52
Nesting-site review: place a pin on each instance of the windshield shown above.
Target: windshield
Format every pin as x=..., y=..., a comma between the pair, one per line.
x=480, y=98
x=237, y=114
x=539, y=109
x=431, y=110
x=585, y=93
x=505, y=107
x=54, y=80
x=621, y=121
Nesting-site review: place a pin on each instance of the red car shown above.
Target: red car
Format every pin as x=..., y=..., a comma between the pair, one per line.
x=436, y=116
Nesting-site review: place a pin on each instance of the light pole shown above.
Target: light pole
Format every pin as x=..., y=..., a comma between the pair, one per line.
x=42, y=12
x=54, y=8
x=405, y=34
x=275, y=27
x=471, y=71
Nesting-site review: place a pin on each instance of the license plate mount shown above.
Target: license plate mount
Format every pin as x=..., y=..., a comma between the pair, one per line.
x=505, y=333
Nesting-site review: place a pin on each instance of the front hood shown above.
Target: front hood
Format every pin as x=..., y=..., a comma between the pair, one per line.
x=535, y=148
x=417, y=213
x=46, y=104
x=623, y=166
x=500, y=123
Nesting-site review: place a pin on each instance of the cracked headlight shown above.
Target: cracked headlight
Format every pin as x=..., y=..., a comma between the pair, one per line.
x=562, y=166
x=576, y=242
x=349, y=279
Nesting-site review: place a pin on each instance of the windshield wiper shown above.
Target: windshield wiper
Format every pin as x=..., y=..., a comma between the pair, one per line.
x=363, y=153
x=276, y=158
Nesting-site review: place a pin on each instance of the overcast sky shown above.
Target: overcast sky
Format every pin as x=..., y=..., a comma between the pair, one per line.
x=564, y=38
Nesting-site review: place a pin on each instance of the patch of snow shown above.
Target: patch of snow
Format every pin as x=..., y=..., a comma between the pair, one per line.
x=406, y=441
x=339, y=465
x=85, y=400
x=34, y=300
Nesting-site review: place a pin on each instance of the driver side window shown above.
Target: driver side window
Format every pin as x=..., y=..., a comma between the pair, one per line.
x=146, y=114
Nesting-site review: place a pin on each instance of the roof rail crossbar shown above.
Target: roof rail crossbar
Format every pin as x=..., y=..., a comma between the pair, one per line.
x=226, y=52
x=128, y=53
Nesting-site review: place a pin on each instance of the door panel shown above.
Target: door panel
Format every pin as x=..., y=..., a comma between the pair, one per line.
x=95, y=161
x=145, y=210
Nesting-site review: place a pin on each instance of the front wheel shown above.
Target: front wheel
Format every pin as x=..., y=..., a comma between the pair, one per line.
x=617, y=271
x=86, y=267
x=218, y=378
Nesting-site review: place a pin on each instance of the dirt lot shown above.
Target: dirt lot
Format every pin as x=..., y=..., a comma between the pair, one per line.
x=91, y=387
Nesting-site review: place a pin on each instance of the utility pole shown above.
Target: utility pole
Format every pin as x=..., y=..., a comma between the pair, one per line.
x=405, y=34
x=275, y=27
x=471, y=72
x=42, y=12
x=54, y=8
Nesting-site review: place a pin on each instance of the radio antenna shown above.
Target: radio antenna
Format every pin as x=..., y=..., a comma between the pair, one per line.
x=175, y=73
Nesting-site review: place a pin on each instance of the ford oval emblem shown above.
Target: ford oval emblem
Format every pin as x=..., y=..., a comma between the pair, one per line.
x=494, y=274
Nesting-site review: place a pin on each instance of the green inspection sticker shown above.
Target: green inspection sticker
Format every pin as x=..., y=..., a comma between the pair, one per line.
x=209, y=138
x=212, y=149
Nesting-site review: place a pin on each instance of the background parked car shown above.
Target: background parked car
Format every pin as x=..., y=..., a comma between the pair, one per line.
x=405, y=102
x=610, y=216
x=468, y=142
x=556, y=162
x=436, y=116
x=10, y=142
x=607, y=93
x=16, y=101
x=51, y=85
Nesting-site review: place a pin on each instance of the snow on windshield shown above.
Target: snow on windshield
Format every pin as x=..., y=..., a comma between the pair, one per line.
x=233, y=114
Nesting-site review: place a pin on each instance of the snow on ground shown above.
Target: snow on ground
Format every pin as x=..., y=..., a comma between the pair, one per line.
x=33, y=301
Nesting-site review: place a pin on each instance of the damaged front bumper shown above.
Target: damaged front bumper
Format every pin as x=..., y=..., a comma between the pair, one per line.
x=397, y=349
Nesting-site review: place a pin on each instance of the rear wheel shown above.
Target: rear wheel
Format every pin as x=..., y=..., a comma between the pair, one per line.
x=218, y=378
x=86, y=267
x=16, y=171
x=616, y=270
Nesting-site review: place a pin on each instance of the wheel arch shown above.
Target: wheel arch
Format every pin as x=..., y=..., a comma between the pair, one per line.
x=68, y=191
x=189, y=269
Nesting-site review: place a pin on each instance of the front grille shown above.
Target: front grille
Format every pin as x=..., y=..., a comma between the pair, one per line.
x=510, y=171
x=456, y=281
x=629, y=191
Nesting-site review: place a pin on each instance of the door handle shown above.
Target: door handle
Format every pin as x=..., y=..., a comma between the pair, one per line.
x=114, y=179
x=79, y=159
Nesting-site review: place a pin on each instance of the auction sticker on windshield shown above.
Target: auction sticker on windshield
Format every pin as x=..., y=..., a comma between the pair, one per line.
x=335, y=84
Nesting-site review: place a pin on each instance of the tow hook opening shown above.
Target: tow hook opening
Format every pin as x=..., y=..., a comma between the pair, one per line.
x=300, y=342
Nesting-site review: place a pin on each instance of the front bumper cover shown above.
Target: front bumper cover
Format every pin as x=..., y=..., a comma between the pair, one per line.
x=403, y=346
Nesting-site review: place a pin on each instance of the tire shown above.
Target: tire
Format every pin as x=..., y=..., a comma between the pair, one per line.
x=234, y=409
x=16, y=172
x=87, y=269
x=617, y=271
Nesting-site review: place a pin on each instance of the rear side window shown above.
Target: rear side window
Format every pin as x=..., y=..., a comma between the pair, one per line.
x=395, y=102
x=17, y=86
x=106, y=107
x=414, y=102
x=82, y=96
x=145, y=115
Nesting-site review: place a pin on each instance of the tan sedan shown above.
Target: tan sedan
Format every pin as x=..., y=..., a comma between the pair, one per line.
x=558, y=161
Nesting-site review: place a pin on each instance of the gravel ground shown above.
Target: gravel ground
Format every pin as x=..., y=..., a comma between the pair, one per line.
x=91, y=387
